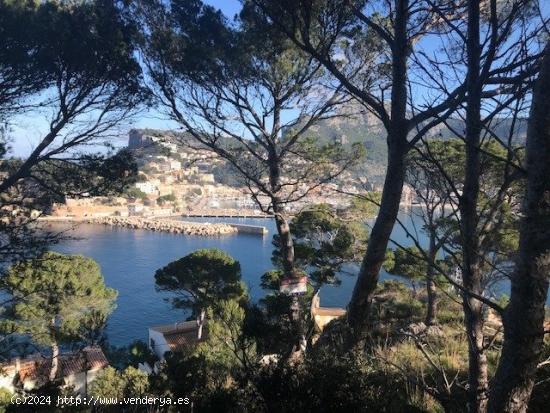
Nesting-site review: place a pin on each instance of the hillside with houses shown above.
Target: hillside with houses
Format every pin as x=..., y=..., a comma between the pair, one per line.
x=178, y=177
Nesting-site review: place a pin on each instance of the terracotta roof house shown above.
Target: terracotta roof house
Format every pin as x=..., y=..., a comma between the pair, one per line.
x=175, y=337
x=77, y=370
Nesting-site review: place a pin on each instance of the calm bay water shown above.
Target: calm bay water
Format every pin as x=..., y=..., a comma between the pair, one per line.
x=129, y=259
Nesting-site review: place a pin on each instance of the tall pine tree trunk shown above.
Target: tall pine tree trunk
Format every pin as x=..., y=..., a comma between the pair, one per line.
x=286, y=245
x=286, y=249
x=471, y=264
x=524, y=316
x=477, y=358
x=360, y=305
x=431, y=311
x=55, y=362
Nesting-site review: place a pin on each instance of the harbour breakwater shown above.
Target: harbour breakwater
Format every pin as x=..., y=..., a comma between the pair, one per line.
x=167, y=225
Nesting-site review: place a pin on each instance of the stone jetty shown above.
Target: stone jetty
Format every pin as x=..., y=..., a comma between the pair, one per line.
x=166, y=225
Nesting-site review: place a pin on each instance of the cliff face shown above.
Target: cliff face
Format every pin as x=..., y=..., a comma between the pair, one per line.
x=144, y=138
x=136, y=139
x=501, y=127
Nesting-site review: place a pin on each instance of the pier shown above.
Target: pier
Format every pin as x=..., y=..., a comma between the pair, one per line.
x=167, y=225
x=250, y=229
x=225, y=215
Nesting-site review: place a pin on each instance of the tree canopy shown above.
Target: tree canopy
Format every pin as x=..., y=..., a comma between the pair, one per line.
x=73, y=66
x=227, y=344
x=324, y=242
x=201, y=279
x=58, y=298
x=111, y=383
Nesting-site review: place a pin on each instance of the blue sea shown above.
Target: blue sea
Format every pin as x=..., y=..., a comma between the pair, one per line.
x=129, y=259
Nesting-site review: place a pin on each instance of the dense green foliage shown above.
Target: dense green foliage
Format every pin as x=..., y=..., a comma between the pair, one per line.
x=201, y=279
x=71, y=66
x=324, y=242
x=227, y=344
x=161, y=200
x=131, y=355
x=57, y=298
x=129, y=382
x=407, y=262
x=134, y=192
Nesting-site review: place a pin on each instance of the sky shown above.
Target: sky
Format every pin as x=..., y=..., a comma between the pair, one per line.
x=155, y=120
x=27, y=130
x=229, y=7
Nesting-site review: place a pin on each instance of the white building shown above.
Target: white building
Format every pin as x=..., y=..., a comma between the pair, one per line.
x=172, y=147
x=208, y=178
x=175, y=337
x=174, y=165
x=214, y=203
x=122, y=213
x=192, y=170
x=164, y=190
x=146, y=187
x=135, y=209
x=161, y=212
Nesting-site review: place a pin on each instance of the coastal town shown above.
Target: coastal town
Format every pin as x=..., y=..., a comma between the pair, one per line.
x=175, y=179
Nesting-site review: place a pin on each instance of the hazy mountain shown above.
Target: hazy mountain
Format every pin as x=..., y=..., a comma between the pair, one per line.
x=365, y=128
x=358, y=125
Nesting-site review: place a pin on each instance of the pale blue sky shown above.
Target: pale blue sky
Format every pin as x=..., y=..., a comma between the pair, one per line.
x=228, y=7
x=28, y=129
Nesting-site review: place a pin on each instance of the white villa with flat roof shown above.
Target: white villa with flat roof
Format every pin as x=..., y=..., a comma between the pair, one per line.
x=323, y=315
x=175, y=337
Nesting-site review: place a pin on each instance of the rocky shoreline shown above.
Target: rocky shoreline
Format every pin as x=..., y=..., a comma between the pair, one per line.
x=172, y=226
